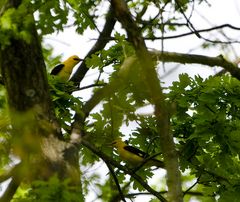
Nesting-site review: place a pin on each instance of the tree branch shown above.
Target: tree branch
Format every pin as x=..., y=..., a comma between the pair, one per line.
x=11, y=189
x=189, y=24
x=194, y=184
x=192, y=193
x=17, y=173
x=199, y=31
x=99, y=45
x=9, y=173
x=116, y=181
x=156, y=97
x=218, y=61
x=191, y=33
x=192, y=28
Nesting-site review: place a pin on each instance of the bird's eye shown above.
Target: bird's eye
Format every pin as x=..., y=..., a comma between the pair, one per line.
x=77, y=59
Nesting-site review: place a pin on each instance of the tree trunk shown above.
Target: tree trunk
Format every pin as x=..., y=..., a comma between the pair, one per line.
x=35, y=130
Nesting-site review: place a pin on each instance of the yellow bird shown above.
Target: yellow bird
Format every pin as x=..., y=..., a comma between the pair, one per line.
x=135, y=156
x=64, y=69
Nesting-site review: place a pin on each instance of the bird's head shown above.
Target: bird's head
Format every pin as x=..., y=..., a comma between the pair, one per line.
x=74, y=59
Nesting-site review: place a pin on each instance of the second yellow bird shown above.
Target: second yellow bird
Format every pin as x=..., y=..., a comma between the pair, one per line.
x=64, y=70
x=135, y=156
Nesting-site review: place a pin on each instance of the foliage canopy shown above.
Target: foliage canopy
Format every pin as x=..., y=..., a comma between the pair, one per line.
x=194, y=127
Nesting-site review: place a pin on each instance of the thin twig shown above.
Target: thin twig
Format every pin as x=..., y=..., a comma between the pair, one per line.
x=194, y=184
x=191, y=33
x=190, y=25
x=92, y=85
x=115, y=180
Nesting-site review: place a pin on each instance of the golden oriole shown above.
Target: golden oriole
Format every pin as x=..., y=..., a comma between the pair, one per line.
x=135, y=156
x=64, y=69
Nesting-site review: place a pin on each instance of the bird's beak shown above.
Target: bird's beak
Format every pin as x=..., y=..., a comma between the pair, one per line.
x=78, y=59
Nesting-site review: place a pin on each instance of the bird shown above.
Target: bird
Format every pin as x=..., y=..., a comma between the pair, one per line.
x=135, y=156
x=64, y=70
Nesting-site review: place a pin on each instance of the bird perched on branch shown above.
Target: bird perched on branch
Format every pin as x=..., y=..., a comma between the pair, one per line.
x=135, y=156
x=64, y=70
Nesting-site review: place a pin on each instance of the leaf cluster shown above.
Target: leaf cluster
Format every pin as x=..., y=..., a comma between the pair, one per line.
x=64, y=103
x=51, y=16
x=16, y=23
x=206, y=124
x=48, y=191
x=84, y=13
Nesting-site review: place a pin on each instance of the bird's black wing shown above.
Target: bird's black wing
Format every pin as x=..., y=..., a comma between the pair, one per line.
x=136, y=151
x=57, y=69
x=152, y=161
